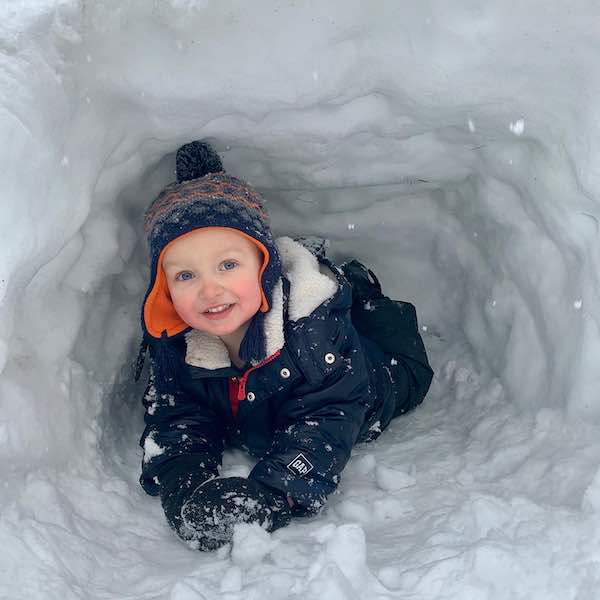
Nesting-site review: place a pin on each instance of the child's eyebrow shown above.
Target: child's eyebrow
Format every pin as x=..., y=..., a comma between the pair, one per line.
x=166, y=264
x=231, y=250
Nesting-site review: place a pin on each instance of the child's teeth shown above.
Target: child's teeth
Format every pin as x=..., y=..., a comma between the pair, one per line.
x=218, y=308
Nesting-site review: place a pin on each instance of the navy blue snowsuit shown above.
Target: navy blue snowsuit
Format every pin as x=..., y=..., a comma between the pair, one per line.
x=337, y=376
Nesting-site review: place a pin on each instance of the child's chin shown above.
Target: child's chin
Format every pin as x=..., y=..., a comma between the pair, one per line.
x=224, y=327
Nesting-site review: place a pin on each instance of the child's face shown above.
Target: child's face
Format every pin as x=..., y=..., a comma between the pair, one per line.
x=212, y=269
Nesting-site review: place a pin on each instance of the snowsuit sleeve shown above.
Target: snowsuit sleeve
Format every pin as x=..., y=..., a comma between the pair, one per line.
x=182, y=435
x=319, y=423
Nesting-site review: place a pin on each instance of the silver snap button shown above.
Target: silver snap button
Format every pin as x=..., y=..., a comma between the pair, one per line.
x=250, y=396
x=285, y=373
x=329, y=358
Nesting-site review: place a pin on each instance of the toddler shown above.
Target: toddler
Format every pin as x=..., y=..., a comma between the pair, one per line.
x=264, y=345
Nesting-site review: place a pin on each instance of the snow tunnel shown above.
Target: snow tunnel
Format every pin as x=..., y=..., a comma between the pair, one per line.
x=413, y=138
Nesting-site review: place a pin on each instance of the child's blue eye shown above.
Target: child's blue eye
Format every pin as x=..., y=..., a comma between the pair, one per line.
x=228, y=265
x=184, y=276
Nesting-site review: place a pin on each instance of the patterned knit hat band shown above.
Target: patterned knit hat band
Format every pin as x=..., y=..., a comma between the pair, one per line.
x=214, y=195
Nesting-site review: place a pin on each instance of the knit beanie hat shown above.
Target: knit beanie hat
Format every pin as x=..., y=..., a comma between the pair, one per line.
x=203, y=196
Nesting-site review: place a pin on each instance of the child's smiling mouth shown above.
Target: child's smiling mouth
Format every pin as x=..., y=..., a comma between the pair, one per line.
x=218, y=312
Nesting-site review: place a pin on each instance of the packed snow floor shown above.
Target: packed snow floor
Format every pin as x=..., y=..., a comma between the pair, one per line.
x=452, y=147
x=467, y=497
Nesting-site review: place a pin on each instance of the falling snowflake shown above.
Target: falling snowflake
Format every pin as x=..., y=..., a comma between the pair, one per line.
x=518, y=127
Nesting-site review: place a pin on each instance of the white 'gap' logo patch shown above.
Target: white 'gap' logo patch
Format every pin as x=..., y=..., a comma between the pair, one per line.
x=300, y=465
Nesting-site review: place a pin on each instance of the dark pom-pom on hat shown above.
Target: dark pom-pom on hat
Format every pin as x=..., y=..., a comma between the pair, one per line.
x=196, y=159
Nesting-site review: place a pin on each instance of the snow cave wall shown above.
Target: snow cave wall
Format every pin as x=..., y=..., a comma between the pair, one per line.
x=414, y=137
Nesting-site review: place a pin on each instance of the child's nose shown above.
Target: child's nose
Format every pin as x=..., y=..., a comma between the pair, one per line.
x=211, y=288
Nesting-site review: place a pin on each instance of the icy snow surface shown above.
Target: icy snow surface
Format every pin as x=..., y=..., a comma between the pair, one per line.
x=454, y=147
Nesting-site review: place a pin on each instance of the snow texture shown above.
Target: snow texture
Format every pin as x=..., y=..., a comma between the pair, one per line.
x=451, y=147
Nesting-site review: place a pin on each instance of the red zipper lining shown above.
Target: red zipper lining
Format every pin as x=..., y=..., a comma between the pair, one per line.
x=240, y=384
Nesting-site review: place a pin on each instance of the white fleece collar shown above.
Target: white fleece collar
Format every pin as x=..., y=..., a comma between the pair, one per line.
x=310, y=285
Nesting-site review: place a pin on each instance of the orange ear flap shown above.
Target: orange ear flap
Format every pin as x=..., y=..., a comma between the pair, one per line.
x=159, y=312
x=264, y=305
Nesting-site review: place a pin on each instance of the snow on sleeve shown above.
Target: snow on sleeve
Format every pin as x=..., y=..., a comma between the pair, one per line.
x=151, y=448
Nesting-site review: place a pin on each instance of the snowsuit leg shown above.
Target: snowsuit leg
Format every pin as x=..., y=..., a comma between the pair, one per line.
x=398, y=347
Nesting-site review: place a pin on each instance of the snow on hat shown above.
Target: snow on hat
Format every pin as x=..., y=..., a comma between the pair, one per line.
x=203, y=196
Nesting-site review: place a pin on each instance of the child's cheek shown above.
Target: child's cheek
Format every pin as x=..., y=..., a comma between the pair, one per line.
x=249, y=288
x=183, y=304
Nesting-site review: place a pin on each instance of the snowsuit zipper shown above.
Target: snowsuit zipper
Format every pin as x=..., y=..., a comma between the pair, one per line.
x=237, y=386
